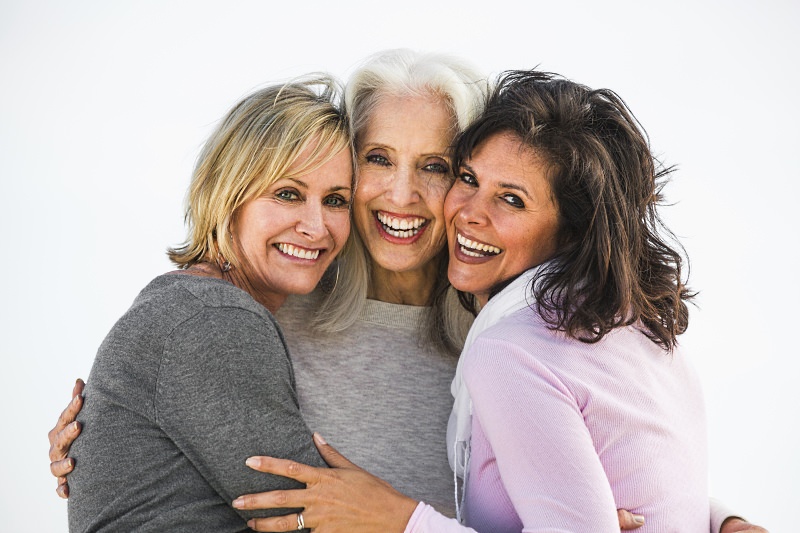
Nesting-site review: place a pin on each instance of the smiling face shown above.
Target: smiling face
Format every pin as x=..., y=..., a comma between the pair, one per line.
x=501, y=218
x=286, y=238
x=403, y=177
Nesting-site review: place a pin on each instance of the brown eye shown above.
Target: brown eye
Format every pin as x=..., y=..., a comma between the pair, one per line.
x=513, y=200
x=468, y=179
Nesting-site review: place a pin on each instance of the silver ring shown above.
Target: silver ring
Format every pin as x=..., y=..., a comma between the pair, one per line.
x=300, y=523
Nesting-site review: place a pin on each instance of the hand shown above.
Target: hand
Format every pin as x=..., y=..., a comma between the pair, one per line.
x=61, y=438
x=343, y=498
x=628, y=520
x=737, y=525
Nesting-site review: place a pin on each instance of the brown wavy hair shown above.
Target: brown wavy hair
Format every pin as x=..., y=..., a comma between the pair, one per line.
x=617, y=264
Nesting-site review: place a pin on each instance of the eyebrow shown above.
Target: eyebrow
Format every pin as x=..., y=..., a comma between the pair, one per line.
x=303, y=184
x=374, y=145
x=516, y=187
x=503, y=184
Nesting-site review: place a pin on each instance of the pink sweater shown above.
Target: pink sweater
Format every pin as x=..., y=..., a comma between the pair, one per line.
x=564, y=433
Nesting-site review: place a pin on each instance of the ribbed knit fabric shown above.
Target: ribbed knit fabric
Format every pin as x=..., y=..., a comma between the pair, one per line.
x=378, y=393
x=565, y=432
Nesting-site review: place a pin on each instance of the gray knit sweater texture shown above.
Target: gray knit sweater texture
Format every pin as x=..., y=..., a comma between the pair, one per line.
x=192, y=380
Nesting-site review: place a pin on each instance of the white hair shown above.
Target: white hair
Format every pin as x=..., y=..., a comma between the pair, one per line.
x=400, y=73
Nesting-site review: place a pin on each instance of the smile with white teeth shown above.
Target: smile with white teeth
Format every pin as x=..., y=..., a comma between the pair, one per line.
x=402, y=228
x=298, y=252
x=475, y=249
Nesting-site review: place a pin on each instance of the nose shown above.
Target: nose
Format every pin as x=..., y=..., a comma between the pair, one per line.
x=404, y=187
x=311, y=222
x=472, y=209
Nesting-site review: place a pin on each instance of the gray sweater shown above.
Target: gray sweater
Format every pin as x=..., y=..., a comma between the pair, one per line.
x=377, y=392
x=191, y=381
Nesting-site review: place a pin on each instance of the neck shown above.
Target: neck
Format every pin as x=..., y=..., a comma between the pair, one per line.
x=406, y=288
x=271, y=301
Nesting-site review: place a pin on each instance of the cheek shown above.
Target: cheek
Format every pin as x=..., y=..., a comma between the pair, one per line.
x=367, y=189
x=452, y=203
x=340, y=228
x=368, y=186
x=435, y=198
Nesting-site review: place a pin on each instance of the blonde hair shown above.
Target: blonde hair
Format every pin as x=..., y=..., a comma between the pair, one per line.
x=401, y=73
x=255, y=144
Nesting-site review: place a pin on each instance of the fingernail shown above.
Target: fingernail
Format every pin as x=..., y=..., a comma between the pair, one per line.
x=74, y=427
x=319, y=439
x=70, y=462
x=238, y=503
x=251, y=524
x=251, y=461
x=639, y=519
x=75, y=399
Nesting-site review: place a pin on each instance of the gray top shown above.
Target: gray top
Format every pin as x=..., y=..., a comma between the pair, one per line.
x=191, y=381
x=378, y=393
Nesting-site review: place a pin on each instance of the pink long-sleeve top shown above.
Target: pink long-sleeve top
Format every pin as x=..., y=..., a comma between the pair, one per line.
x=565, y=432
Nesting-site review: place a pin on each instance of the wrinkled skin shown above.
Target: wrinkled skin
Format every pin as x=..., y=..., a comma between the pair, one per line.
x=61, y=438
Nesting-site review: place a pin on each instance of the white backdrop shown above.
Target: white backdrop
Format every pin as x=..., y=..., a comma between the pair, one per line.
x=103, y=106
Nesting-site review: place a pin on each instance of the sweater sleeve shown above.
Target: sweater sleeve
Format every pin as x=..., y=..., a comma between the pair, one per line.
x=719, y=513
x=426, y=519
x=225, y=392
x=545, y=454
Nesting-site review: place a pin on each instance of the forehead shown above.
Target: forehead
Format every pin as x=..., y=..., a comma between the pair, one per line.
x=422, y=118
x=504, y=148
x=326, y=167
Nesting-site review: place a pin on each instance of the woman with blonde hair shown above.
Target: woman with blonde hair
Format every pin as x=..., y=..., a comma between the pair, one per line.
x=199, y=355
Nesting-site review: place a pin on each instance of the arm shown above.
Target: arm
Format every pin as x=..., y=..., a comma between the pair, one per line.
x=347, y=498
x=544, y=453
x=225, y=391
x=61, y=438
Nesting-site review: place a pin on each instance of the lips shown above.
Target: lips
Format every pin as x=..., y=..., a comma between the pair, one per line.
x=297, y=251
x=405, y=227
x=476, y=249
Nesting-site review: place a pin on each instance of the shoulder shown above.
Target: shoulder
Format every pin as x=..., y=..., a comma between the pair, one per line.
x=209, y=309
x=526, y=334
x=525, y=345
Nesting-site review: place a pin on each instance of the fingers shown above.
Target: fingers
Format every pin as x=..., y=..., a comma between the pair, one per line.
x=628, y=520
x=69, y=414
x=285, y=467
x=278, y=523
x=61, y=441
x=63, y=489
x=740, y=525
x=332, y=457
x=77, y=390
x=274, y=499
x=61, y=468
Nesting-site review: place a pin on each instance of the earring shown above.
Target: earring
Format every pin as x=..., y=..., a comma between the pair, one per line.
x=223, y=264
